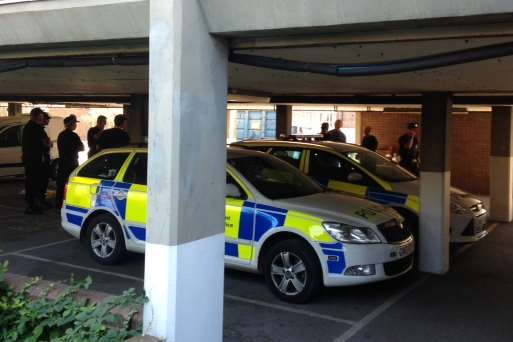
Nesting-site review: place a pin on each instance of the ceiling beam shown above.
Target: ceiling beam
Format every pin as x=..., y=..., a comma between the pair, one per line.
x=390, y=100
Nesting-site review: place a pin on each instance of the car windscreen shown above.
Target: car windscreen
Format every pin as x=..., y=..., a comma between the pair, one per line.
x=380, y=166
x=274, y=178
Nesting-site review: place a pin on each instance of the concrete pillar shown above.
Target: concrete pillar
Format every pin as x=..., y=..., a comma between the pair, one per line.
x=14, y=109
x=435, y=181
x=184, y=265
x=501, y=165
x=283, y=120
x=137, y=114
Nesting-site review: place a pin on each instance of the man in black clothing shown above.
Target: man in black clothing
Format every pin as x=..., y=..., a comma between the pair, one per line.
x=369, y=141
x=409, y=149
x=69, y=145
x=93, y=135
x=324, y=130
x=34, y=146
x=47, y=170
x=336, y=134
x=115, y=137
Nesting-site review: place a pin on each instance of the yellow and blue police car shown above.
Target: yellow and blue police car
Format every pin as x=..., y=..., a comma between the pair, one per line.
x=278, y=222
x=356, y=170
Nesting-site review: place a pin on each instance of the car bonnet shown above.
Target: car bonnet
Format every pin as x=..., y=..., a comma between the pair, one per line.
x=330, y=206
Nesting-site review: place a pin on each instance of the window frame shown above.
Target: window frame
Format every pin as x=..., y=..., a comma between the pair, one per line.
x=367, y=180
x=7, y=129
x=127, y=167
x=286, y=148
x=119, y=174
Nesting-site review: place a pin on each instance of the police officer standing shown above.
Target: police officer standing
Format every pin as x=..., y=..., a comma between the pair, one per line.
x=35, y=143
x=336, y=134
x=369, y=141
x=47, y=169
x=69, y=145
x=93, y=135
x=115, y=137
x=409, y=149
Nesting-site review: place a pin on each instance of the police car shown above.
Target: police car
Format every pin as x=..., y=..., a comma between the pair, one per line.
x=356, y=170
x=278, y=222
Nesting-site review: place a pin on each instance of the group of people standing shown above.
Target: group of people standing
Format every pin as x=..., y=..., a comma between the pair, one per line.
x=408, y=146
x=408, y=143
x=36, y=147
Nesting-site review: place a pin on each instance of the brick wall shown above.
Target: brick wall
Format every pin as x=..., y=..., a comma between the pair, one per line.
x=470, y=159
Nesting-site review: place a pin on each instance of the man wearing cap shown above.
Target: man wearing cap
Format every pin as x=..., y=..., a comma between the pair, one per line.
x=69, y=144
x=115, y=137
x=409, y=149
x=34, y=147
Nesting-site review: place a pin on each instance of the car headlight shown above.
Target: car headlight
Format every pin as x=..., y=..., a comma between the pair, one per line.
x=346, y=233
x=457, y=209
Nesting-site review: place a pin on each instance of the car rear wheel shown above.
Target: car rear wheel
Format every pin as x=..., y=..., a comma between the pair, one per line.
x=292, y=271
x=105, y=240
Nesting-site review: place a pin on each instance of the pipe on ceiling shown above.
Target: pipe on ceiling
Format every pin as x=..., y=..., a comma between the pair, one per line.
x=69, y=62
x=378, y=68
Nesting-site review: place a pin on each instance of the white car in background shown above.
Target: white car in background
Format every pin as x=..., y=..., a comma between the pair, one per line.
x=11, y=130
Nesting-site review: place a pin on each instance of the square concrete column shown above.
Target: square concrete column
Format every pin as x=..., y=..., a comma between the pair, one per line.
x=435, y=181
x=501, y=165
x=137, y=114
x=283, y=120
x=184, y=265
x=14, y=109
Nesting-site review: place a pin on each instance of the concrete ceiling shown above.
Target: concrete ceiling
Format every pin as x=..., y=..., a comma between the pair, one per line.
x=492, y=76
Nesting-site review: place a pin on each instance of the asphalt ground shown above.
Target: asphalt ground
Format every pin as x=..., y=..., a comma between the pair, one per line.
x=471, y=302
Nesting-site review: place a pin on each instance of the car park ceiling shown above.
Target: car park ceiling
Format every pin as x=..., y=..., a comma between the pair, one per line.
x=488, y=76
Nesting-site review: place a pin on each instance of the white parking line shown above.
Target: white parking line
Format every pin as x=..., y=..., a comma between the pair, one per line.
x=288, y=309
x=378, y=311
x=394, y=299
x=90, y=269
x=38, y=247
x=12, y=208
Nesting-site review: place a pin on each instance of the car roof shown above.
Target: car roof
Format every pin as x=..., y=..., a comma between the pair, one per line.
x=325, y=145
x=232, y=152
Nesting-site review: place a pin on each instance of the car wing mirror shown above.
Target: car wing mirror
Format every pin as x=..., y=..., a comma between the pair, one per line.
x=233, y=191
x=354, y=177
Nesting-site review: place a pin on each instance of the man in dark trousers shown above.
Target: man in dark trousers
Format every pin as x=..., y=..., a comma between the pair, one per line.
x=69, y=145
x=47, y=169
x=369, y=141
x=336, y=134
x=115, y=137
x=34, y=146
x=93, y=135
x=409, y=149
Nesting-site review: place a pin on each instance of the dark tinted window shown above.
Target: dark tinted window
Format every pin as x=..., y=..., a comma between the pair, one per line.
x=325, y=166
x=105, y=167
x=137, y=171
x=274, y=178
x=291, y=156
x=11, y=137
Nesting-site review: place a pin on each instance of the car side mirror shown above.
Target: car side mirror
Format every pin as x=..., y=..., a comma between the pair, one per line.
x=354, y=177
x=233, y=191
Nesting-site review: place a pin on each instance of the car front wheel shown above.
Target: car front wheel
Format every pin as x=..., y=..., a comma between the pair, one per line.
x=292, y=271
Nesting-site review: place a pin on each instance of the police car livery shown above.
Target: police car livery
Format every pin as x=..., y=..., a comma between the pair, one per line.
x=278, y=222
x=356, y=170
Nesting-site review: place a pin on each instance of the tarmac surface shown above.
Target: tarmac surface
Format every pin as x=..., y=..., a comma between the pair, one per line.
x=472, y=302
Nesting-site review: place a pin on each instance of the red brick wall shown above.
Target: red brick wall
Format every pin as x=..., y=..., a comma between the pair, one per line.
x=470, y=159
